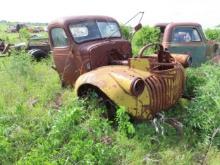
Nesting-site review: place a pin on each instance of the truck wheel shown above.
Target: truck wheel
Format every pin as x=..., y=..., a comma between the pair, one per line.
x=87, y=92
x=37, y=54
x=110, y=107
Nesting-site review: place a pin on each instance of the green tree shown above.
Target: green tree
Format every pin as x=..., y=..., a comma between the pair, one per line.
x=126, y=32
x=145, y=36
x=213, y=34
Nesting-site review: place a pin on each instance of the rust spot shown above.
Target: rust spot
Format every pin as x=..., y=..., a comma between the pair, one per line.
x=165, y=88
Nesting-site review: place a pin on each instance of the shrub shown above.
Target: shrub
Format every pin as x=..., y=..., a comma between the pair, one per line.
x=124, y=125
x=213, y=34
x=145, y=36
x=24, y=34
x=77, y=136
x=203, y=113
x=126, y=32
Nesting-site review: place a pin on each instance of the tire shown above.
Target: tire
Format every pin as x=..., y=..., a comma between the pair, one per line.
x=37, y=54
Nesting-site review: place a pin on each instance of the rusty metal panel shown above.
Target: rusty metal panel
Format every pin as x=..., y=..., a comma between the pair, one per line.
x=165, y=88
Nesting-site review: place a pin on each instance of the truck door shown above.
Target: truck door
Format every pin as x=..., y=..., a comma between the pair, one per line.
x=63, y=57
x=188, y=39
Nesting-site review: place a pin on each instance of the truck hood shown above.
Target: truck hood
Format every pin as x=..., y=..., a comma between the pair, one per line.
x=102, y=52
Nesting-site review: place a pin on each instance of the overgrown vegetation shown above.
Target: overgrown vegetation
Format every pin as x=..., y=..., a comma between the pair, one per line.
x=203, y=113
x=24, y=34
x=145, y=36
x=41, y=123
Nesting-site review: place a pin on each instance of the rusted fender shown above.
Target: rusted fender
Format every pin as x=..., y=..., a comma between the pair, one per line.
x=183, y=59
x=115, y=82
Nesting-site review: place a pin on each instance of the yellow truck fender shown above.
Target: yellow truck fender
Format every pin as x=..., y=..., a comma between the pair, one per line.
x=115, y=82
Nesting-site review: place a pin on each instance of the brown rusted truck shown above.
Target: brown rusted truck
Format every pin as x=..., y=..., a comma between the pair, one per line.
x=90, y=55
x=188, y=38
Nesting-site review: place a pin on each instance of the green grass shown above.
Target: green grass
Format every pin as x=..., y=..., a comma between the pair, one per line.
x=41, y=123
x=8, y=37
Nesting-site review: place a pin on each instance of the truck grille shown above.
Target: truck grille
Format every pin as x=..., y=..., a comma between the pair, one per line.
x=165, y=88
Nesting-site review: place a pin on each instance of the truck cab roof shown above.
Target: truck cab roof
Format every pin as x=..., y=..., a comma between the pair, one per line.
x=177, y=24
x=67, y=20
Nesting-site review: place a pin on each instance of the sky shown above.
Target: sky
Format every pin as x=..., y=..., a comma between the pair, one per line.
x=205, y=12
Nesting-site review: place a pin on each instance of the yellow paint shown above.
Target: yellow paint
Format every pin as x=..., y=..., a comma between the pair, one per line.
x=123, y=80
x=140, y=63
x=115, y=82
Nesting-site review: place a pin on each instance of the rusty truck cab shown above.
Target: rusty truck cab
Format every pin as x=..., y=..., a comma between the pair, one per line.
x=83, y=43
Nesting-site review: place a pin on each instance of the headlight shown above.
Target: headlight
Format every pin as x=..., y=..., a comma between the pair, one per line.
x=137, y=86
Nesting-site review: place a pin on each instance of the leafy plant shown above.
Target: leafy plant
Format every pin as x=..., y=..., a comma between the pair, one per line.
x=213, y=34
x=24, y=33
x=124, y=125
x=126, y=32
x=144, y=36
x=203, y=113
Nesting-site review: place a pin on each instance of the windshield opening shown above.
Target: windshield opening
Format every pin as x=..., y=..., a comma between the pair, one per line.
x=92, y=30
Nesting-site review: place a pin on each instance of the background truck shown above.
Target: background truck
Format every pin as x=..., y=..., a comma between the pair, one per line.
x=188, y=38
x=37, y=47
